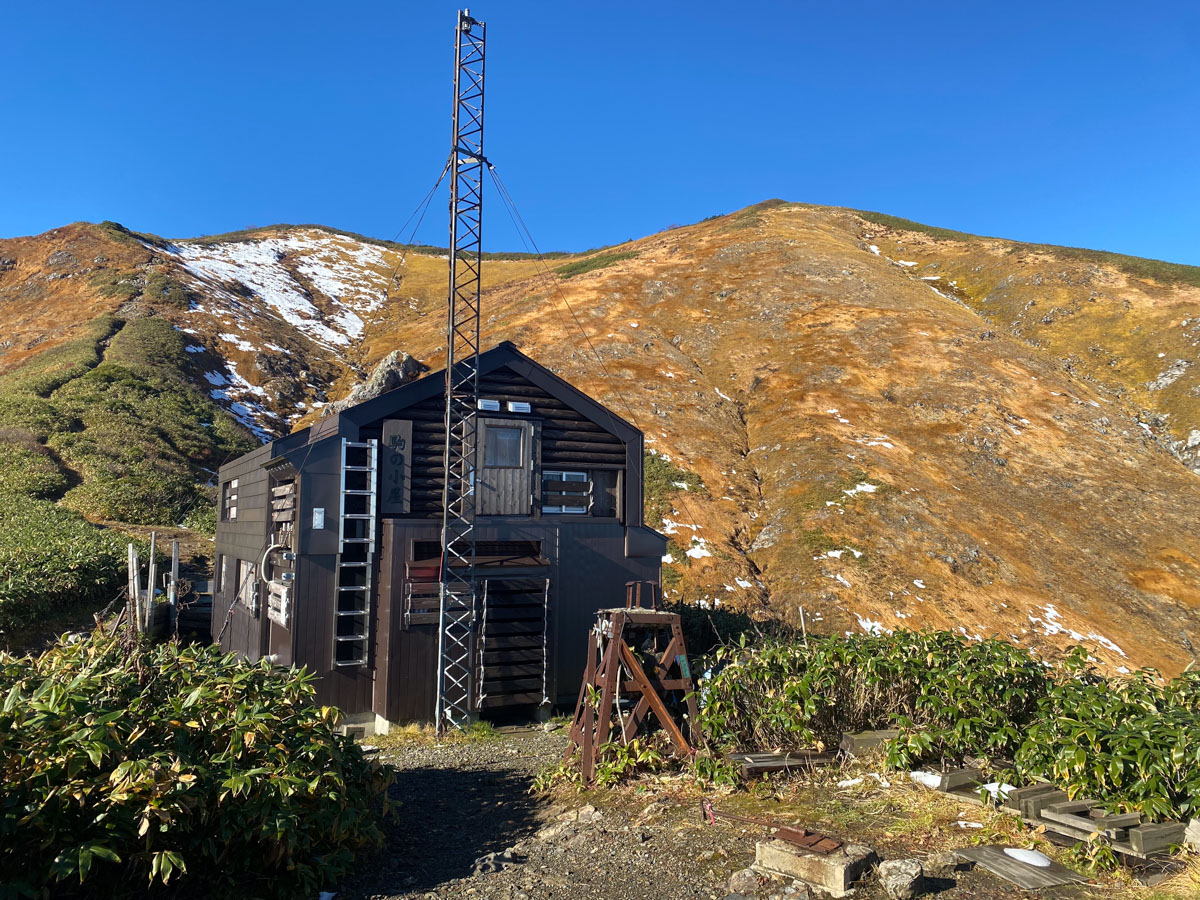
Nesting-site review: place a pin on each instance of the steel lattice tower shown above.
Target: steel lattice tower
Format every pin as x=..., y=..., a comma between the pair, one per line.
x=457, y=580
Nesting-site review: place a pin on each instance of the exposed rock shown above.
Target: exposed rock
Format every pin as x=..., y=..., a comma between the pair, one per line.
x=554, y=831
x=62, y=259
x=6, y=263
x=497, y=862
x=940, y=865
x=1169, y=376
x=394, y=370
x=795, y=891
x=588, y=815
x=744, y=882
x=652, y=812
x=901, y=878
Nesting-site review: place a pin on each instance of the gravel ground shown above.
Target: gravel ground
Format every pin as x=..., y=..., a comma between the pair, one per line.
x=463, y=800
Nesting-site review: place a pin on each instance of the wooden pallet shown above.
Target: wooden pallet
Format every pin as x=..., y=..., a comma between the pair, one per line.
x=1044, y=805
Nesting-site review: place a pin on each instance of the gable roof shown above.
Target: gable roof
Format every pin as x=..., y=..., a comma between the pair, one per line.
x=503, y=355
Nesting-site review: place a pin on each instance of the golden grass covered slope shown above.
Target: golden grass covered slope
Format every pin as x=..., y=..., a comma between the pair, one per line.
x=895, y=427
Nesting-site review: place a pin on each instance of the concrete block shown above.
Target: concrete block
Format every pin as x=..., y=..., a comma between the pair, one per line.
x=958, y=778
x=856, y=744
x=834, y=873
x=1012, y=803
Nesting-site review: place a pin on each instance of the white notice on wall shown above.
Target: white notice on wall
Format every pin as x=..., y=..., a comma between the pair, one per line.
x=318, y=517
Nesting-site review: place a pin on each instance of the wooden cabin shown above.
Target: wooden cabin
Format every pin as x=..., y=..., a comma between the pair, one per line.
x=329, y=539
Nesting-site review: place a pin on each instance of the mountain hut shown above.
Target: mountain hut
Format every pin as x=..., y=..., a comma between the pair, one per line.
x=328, y=544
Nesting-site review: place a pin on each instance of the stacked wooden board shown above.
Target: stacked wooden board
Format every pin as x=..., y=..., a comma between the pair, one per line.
x=1039, y=805
x=1044, y=805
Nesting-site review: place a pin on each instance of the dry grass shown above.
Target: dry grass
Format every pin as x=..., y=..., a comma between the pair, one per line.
x=747, y=336
x=421, y=733
x=900, y=820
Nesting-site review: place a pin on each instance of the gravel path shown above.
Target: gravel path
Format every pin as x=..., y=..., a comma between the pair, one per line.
x=464, y=800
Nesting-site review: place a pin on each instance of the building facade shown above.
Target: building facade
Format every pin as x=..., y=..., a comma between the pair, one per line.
x=328, y=545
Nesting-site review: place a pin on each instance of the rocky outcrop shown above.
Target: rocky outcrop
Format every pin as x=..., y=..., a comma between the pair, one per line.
x=1188, y=451
x=394, y=370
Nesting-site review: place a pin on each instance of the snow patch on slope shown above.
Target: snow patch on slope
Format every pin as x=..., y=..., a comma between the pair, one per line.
x=345, y=279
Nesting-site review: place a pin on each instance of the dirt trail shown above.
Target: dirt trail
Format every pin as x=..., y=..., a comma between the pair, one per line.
x=464, y=800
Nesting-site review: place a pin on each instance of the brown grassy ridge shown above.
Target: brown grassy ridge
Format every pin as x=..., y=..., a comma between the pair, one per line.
x=991, y=411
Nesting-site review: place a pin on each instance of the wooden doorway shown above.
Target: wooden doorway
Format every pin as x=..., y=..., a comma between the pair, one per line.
x=505, y=467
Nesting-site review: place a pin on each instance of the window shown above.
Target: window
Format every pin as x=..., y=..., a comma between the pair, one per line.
x=565, y=493
x=247, y=589
x=222, y=573
x=229, y=501
x=502, y=447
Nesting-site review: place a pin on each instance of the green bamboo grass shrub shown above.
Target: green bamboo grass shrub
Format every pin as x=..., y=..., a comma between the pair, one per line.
x=51, y=559
x=1132, y=743
x=955, y=696
x=176, y=771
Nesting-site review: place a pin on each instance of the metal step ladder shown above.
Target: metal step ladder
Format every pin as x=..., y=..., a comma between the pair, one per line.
x=358, y=503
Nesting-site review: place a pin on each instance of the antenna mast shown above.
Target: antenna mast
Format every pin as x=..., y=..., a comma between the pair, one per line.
x=457, y=579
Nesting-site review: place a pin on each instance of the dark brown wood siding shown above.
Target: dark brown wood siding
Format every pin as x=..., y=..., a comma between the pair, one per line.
x=590, y=557
x=242, y=539
x=568, y=439
x=347, y=687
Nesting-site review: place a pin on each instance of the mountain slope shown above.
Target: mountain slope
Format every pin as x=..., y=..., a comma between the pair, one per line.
x=887, y=425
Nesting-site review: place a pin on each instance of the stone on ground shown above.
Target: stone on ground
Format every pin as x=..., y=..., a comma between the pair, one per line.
x=901, y=878
x=940, y=865
x=834, y=873
x=744, y=881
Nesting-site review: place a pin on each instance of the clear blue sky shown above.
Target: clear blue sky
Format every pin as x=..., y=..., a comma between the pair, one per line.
x=1071, y=123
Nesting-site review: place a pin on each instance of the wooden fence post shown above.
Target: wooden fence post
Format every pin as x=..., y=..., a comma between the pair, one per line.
x=173, y=588
x=151, y=579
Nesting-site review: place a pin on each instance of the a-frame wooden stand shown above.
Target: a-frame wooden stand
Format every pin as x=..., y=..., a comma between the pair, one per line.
x=613, y=669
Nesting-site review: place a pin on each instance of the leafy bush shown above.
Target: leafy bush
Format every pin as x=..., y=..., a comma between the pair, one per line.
x=53, y=368
x=898, y=224
x=203, y=517
x=125, y=769
x=131, y=425
x=947, y=695
x=615, y=761
x=29, y=472
x=1136, y=266
x=1131, y=743
x=706, y=629
x=662, y=482
x=164, y=290
x=139, y=493
x=51, y=558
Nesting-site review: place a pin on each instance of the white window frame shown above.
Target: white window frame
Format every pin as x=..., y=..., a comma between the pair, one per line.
x=229, y=500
